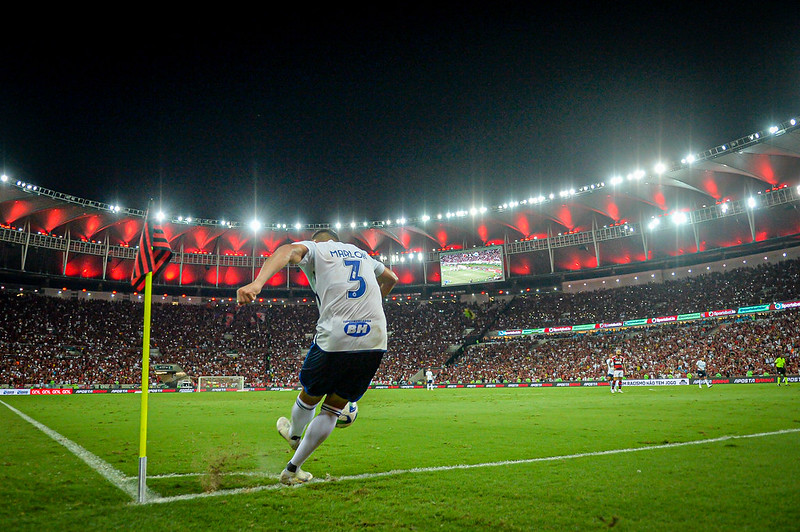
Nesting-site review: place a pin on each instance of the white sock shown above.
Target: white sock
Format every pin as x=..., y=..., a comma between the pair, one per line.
x=302, y=414
x=318, y=431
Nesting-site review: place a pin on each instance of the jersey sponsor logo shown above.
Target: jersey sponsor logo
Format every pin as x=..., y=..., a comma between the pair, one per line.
x=356, y=329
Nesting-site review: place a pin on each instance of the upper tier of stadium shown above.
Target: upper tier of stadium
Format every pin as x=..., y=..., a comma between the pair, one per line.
x=739, y=197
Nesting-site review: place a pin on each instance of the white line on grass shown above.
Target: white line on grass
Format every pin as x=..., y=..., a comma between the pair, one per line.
x=105, y=469
x=394, y=472
x=260, y=474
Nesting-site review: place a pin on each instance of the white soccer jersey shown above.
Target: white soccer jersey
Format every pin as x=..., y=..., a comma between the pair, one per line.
x=701, y=365
x=610, y=364
x=344, y=279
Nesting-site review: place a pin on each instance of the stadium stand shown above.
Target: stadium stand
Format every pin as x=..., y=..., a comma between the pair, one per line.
x=53, y=341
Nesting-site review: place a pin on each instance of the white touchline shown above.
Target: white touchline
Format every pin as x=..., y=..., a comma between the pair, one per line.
x=114, y=476
x=237, y=491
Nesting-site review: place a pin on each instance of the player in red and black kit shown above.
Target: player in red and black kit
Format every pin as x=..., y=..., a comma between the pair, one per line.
x=619, y=370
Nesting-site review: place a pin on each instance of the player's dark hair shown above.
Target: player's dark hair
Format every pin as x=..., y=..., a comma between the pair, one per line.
x=330, y=232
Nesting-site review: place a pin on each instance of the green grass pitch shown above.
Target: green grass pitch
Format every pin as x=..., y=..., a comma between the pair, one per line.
x=405, y=462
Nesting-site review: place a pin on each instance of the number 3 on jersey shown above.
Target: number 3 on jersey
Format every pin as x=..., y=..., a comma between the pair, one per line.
x=355, y=266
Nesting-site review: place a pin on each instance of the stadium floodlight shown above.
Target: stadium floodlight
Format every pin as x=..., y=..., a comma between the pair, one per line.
x=751, y=202
x=4, y=178
x=653, y=223
x=724, y=207
x=338, y=225
x=482, y=210
x=552, y=195
x=473, y=211
x=425, y=217
x=679, y=218
x=160, y=216
x=660, y=168
x=255, y=225
x=352, y=225
x=297, y=226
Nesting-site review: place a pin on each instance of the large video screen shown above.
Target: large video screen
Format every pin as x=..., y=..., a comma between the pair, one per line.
x=474, y=266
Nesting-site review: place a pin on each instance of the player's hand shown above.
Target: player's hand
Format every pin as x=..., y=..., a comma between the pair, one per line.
x=247, y=294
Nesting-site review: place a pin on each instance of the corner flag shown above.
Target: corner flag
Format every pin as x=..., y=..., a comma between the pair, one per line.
x=151, y=259
x=153, y=255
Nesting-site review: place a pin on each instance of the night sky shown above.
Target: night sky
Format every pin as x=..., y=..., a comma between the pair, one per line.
x=367, y=115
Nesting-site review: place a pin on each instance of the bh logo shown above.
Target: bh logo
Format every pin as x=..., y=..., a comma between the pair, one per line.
x=356, y=328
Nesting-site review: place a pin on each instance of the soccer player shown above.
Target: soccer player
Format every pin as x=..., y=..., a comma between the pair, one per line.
x=701, y=374
x=780, y=367
x=618, y=362
x=610, y=372
x=350, y=339
x=429, y=378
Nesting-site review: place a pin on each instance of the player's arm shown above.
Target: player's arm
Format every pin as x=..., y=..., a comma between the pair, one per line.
x=386, y=280
x=286, y=254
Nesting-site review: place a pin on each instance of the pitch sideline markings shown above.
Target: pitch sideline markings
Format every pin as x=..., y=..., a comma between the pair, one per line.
x=106, y=470
x=395, y=472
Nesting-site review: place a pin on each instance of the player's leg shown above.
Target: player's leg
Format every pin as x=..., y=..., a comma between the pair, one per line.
x=312, y=377
x=318, y=431
x=302, y=414
x=347, y=377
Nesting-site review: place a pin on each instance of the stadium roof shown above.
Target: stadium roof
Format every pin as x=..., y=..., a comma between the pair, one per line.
x=726, y=185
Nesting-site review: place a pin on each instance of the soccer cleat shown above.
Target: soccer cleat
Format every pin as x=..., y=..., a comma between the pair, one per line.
x=298, y=477
x=619, y=391
x=284, y=429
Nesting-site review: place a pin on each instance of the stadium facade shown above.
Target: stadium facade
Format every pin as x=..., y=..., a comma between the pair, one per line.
x=735, y=199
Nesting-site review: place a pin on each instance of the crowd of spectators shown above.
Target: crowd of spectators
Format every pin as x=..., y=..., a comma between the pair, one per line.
x=712, y=291
x=64, y=341
x=729, y=346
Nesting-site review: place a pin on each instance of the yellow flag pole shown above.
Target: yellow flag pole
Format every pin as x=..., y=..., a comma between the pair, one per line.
x=148, y=296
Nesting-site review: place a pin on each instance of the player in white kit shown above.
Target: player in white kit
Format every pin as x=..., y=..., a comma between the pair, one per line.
x=701, y=374
x=350, y=336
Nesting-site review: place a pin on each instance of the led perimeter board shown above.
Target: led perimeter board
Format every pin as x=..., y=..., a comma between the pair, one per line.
x=473, y=266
